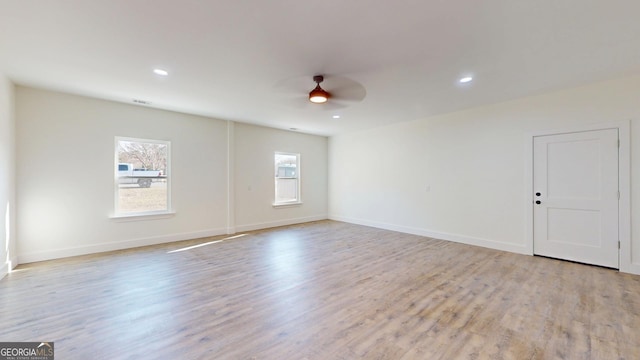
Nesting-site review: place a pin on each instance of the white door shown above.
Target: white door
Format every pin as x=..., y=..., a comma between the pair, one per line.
x=575, y=200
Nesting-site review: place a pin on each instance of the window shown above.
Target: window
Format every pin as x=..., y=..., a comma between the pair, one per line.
x=142, y=177
x=287, y=178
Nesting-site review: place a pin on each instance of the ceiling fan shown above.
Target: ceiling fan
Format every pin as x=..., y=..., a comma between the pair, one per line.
x=318, y=95
x=336, y=92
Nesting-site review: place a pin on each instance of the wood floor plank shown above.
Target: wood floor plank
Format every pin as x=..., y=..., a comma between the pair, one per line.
x=322, y=290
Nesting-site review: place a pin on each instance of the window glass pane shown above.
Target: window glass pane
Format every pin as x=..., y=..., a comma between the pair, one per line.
x=142, y=176
x=286, y=177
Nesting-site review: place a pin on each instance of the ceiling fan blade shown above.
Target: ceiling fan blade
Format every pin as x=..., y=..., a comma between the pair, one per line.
x=330, y=105
x=351, y=93
x=295, y=102
x=337, y=103
x=343, y=88
x=299, y=85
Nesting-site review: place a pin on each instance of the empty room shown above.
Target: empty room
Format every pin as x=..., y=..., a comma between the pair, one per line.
x=333, y=180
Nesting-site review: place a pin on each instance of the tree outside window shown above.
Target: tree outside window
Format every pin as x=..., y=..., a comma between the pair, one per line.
x=142, y=176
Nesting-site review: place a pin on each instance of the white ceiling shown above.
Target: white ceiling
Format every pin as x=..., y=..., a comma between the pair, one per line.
x=227, y=58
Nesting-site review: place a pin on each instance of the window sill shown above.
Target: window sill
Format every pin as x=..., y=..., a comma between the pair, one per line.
x=287, y=204
x=143, y=216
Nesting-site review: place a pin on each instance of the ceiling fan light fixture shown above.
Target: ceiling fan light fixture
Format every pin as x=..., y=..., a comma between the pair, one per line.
x=318, y=95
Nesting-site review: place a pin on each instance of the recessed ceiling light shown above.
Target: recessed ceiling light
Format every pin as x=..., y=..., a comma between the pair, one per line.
x=336, y=116
x=466, y=79
x=161, y=72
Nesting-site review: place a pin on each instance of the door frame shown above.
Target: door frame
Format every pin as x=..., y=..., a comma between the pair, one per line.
x=624, y=184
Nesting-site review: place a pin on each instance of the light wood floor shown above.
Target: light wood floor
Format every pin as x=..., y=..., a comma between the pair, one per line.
x=323, y=290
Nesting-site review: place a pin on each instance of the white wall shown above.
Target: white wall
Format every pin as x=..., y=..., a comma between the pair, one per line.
x=8, y=255
x=65, y=175
x=472, y=163
x=65, y=191
x=254, y=177
x=65, y=152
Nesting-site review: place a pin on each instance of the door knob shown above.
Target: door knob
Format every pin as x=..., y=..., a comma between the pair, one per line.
x=538, y=194
x=538, y=202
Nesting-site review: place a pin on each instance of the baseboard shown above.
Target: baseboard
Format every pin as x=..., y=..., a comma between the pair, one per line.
x=631, y=268
x=8, y=266
x=4, y=270
x=468, y=240
x=120, y=245
x=270, y=224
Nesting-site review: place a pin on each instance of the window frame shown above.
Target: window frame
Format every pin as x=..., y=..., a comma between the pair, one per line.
x=298, y=200
x=144, y=215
